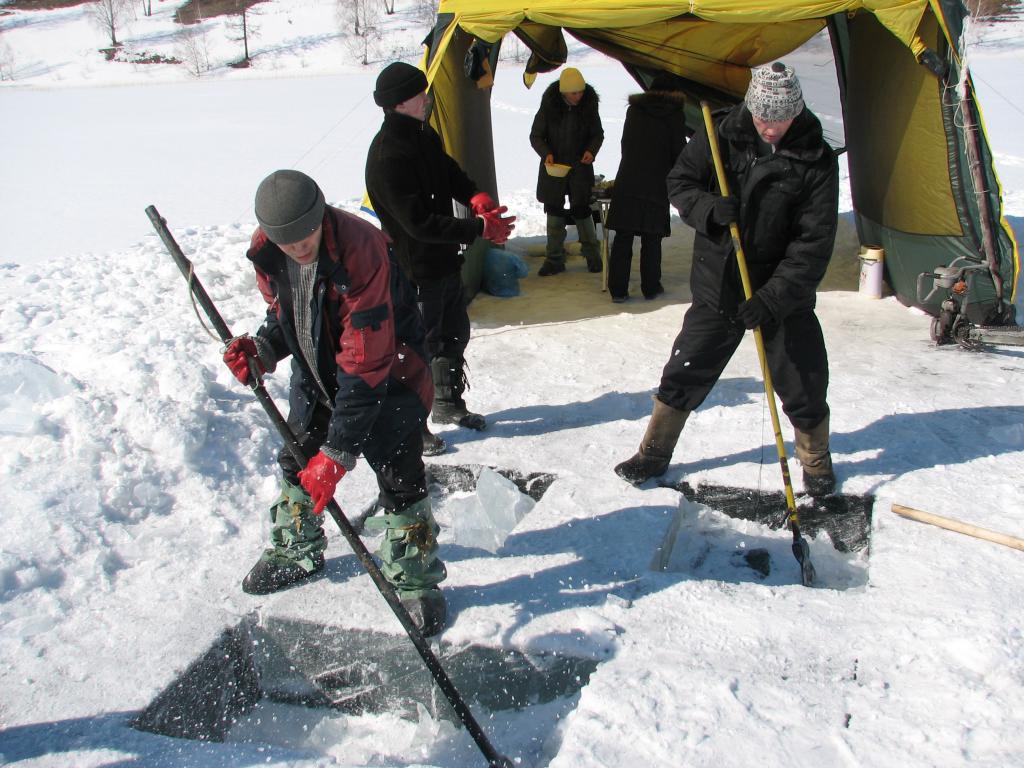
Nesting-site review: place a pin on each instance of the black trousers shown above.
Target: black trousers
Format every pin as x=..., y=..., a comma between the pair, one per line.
x=620, y=262
x=795, y=349
x=442, y=303
x=394, y=451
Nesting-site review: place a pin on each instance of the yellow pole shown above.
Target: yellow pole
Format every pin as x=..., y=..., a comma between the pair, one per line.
x=769, y=390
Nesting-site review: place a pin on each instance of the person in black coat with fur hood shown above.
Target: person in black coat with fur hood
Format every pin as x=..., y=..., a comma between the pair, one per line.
x=567, y=130
x=652, y=137
x=785, y=179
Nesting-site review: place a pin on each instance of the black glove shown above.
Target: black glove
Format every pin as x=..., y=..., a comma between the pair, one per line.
x=725, y=211
x=754, y=313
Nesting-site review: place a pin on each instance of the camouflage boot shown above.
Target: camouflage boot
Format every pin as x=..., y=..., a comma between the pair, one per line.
x=299, y=544
x=410, y=563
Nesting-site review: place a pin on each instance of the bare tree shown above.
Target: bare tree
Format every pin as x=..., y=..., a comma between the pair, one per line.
x=359, y=22
x=109, y=15
x=389, y=7
x=425, y=12
x=193, y=50
x=512, y=49
x=6, y=61
x=147, y=7
x=244, y=27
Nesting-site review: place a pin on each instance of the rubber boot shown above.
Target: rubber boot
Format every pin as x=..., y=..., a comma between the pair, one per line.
x=589, y=246
x=813, y=453
x=554, y=261
x=299, y=544
x=410, y=563
x=656, y=448
x=449, y=385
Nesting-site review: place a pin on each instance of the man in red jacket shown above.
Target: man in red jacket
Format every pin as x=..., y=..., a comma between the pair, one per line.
x=340, y=307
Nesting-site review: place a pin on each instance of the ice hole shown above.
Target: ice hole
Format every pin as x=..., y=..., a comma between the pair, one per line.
x=739, y=534
x=278, y=681
x=361, y=696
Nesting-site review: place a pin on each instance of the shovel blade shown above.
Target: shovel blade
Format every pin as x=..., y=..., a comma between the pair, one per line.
x=845, y=517
x=802, y=553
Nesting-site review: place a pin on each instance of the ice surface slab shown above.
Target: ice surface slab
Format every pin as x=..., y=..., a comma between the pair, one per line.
x=485, y=518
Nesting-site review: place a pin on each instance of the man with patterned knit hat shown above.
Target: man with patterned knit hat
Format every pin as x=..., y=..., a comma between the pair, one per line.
x=785, y=182
x=340, y=307
x=411, y=182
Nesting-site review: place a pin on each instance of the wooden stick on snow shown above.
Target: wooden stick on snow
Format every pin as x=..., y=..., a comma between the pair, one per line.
x=955, y=525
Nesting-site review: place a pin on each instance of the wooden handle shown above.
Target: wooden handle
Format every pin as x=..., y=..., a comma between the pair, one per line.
x=955, y=525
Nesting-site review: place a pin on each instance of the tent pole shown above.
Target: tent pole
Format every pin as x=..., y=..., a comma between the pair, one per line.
x=980, y=189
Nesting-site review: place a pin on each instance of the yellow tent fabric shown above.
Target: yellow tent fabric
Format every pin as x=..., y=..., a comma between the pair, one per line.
x=490, y=20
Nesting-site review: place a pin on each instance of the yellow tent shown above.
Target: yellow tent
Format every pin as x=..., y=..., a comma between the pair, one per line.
x=921, y=173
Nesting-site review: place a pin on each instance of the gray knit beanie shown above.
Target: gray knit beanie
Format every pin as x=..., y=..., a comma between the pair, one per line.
x=289, y=206
x=774, y=94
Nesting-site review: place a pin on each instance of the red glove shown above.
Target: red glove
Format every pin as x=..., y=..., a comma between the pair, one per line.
x=237, y=356
x=497, y=228
x=481, y=202
x=319, y=479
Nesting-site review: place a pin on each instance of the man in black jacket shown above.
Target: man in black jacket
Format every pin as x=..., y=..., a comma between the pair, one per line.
x=786, y=181
x=411, y=183
x=567, y=130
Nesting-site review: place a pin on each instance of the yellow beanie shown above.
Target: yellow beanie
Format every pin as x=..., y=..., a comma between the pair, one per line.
x=571, y=81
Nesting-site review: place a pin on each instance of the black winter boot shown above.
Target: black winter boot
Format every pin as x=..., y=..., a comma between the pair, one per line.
x=449, y=384
x=656, y=448
x=433, y=445
x=428, y=611
x=271, y=574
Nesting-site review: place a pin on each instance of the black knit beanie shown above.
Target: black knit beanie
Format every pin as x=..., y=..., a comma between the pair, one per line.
x=289, y=206
x=398, y=82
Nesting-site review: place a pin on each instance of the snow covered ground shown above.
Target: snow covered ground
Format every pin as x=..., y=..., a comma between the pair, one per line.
x=137, y=472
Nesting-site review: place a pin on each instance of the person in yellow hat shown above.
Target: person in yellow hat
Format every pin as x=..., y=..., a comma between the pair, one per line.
x=567, y=130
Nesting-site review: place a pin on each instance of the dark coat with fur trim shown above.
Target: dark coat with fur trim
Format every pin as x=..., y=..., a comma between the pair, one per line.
x=788, y=212
x=652, y=137
x=566, y=132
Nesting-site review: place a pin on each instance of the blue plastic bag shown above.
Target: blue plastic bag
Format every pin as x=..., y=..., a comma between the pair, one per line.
x=502, y=270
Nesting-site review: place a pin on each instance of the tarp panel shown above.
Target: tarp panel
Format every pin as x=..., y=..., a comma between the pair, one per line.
x=714, y=54
x=899, y=173
x=462, y=116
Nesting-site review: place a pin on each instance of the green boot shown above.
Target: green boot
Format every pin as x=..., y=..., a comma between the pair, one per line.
x=656, y=448
x=555, y=250
x=588, y=243
x=812, y=450
x=410, y=563
x=299, y=544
